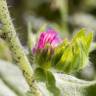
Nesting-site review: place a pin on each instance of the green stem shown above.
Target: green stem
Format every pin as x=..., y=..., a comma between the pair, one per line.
x=30, y=35
x=63, y=5
x=9, y=34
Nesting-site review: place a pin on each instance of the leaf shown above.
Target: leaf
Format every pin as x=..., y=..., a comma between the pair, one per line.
x=89, y=38
x=68, y=85
x=51, y=84
x=72, y=56
x=80, y=34
x=71, y=86
x=40, y=74
x=12, y=80
x=59, y=52
x=47, y=77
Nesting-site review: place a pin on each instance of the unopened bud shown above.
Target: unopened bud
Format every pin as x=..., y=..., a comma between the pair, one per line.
x=73, y=56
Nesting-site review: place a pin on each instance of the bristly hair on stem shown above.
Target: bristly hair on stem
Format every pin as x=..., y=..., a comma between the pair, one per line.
x=9, y=35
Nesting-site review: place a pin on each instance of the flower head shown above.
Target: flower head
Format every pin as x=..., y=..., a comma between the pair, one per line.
x=50, y=37
x=44, y=48
x=64, y=56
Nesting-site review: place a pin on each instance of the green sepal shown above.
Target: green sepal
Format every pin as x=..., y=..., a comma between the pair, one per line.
x=43, y=57
x=58, y=52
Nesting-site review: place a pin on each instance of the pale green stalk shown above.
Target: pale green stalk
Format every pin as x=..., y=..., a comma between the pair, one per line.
x=30, y=36
x=63, y=5
x=9, y=34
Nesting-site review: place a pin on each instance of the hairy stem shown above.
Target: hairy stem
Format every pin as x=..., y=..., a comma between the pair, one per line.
x=9, y=34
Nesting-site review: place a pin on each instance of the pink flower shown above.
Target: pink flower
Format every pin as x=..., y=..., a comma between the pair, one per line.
x=49, y=37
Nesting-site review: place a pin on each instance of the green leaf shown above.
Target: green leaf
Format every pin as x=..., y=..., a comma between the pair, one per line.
x=89, y=38
x=47, y=77
x=68, y=85
x=71, y=86
x=58, y=52
x=40, y=74
x=65, y=60
x=12, y=82
x=80, y=34
x=51, y=84
x=72, y=56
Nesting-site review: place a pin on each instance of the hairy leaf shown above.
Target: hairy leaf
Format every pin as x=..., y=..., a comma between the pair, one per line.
x=68, y=85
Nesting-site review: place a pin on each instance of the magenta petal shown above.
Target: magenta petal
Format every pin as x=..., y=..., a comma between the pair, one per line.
x=49, y=37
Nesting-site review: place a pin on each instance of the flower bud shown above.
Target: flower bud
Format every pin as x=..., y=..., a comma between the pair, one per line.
x=44, y=48
x=72, y=56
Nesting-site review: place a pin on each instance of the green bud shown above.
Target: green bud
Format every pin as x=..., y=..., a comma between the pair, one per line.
x=43, y=57
x=73, y=56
